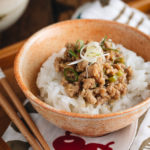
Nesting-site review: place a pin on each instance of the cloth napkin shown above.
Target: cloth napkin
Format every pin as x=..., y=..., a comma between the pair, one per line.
x=115, y=10
x=119, y=140
x=133, y=137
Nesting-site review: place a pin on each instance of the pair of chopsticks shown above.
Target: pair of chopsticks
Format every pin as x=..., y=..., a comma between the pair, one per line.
x=37, y=143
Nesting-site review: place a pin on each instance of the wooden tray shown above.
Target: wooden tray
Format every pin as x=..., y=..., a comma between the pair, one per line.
x=7, y=56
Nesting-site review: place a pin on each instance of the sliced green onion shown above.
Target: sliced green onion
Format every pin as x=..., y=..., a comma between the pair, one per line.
x=79, y=45
x=103, y=42
x=105, y=38
x=93, y=51
x=104, y=70
x=119, y=60
x=66, y=71
x=110, y=49
x=113, y=60
x=120, y=73
x=112, y=79
x=92, y=54
x=106, y=49
x=72, y=53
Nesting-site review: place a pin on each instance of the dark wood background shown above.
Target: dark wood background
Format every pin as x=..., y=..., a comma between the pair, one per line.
x=39, y=14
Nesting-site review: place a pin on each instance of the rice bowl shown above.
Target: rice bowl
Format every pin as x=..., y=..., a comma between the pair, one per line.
x=50, y=40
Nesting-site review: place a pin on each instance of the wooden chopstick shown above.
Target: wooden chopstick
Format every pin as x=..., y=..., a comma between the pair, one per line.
x=143, y=5
x=14, y=117
x=24, y=113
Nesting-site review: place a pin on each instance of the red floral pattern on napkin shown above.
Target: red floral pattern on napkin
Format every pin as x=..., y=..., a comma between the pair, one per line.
x=70, y=142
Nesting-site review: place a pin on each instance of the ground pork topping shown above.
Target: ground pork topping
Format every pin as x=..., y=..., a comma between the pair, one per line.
x=94, y=70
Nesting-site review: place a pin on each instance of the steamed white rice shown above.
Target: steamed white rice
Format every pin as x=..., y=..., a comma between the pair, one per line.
x=53, y=93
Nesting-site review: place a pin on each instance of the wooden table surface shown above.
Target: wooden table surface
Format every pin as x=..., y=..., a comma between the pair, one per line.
x=39, y=13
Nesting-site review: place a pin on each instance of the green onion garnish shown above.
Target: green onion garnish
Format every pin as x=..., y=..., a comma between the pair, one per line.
x=113, y=78
x=105, y=38
x=67, y=77
x=102, y=43
x=106, y=49
x=111, y=49
x=79, y=45
x=72, y=53
x=119, y=60
x=120, y=73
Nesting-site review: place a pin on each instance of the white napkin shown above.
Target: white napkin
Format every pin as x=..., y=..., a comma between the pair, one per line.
x=116, y=11
x=119, y=140
x=142, y=139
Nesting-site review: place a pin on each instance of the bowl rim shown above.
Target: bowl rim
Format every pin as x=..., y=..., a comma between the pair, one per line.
x=33, y=99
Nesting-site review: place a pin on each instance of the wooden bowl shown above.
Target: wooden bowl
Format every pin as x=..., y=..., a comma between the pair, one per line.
x=52, y=39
